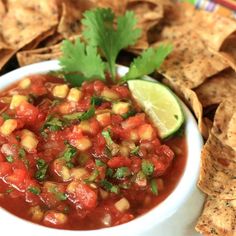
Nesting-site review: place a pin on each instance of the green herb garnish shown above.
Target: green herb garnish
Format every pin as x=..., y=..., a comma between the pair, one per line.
x=42, y=167
x=109, y=186
x=34, y=190
x=154, y=187
x=92, y=177
x=69, y=153
x=122, y=172
x=5, y=116
x=147, y=167
x=99, y=163
x=10, y=158
x=59, y=195
x=147, y=62
x=52, y=123
x=135, y=151
x=81, y=62
x=99, y=30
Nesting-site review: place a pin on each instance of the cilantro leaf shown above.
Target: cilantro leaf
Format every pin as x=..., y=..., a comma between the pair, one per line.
x=34, y=190
x=52, y=123
x=122, y=172
x=109, y=186
x=81, y=62
x=88, y=114
x=5, y=116
x=10, y=158
x=100, y=31
x=42, y=167
x=147, y=62
x=69, y=153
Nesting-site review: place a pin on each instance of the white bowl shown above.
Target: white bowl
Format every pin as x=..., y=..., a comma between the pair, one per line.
x=154, y=217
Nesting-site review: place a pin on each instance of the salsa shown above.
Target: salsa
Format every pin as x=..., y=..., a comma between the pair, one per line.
x=81, y=158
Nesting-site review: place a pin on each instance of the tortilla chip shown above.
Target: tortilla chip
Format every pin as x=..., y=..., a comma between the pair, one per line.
x=25, y=21
x=37, y=55
x=70, y=20
x=217, y=88
x=118, y=7
x=224, y=126
x=41, y=54
x=191, y=99
x=218, y=218
x=190, y=63
x=149, y=13
x=214, y=29
x=218, y=169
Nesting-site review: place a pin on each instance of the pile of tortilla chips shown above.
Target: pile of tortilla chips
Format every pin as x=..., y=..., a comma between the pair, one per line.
x=201, y=69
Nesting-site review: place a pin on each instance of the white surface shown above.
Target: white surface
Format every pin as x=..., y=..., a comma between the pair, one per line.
x=176, y=216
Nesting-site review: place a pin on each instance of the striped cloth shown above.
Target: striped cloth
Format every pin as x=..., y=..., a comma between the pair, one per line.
x=210, y=5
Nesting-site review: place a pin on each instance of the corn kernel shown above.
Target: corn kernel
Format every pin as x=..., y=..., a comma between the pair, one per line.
x=74, y=95
x=25, y=83
x=17, y=100
x=145, y=132
x=120, y=108
x=104, y=119
x=85, y=126
x=36, y=213
x=65, y=173
x=78, y=173
x=83, y=144
x=60, y=91
x=109, y=94
x=29, y=142
x=8, y=127
x=55, y=218
x=122, y=205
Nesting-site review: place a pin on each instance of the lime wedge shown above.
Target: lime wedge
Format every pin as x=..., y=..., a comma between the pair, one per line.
x=160, y=104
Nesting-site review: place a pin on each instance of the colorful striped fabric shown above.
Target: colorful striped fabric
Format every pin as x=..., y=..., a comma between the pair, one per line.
x=211, y=5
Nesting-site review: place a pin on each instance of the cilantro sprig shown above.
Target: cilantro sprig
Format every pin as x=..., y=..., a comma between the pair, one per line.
x=105, y=34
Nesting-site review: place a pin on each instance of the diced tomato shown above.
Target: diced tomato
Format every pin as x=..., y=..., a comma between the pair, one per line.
x=17, y=178
x=122, y=90
x=5, y=169
x=159, y=167
x=94, y=126
x=165, y=153
x=27, y=112
x=1, y=120
x=134, y=121
x=85, y=196
x=119, y=161
x=2, y=158
x=99, y=144
x=116, y=119
x=37, y=87
x=98, y=86
x=136, y=164
x=84, y=104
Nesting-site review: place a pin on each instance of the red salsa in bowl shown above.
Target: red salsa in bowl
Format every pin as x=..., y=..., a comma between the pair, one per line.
x=82, y=158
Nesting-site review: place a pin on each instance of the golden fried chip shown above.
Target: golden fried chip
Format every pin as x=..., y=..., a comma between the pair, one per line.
x=224, y=126
x=217, y=88
x=149, y=14
x=191, y=99
x=218, y=218
x=37, y=55
x=25, y=21
x=218, y=169
x=214, y=29
x=71, y=16
x=190, y=63
x=41, y=54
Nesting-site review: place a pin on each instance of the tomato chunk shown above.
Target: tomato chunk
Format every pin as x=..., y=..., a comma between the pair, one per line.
x=27, y=112
x=5, y=169
x=119, y=161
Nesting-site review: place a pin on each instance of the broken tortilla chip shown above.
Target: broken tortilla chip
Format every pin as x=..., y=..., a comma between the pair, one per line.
x=191, y=99
x=217, y=88
x=218, y=169
x=72, y=11
x=224, y=126
x=218, y=218
x=190, y=63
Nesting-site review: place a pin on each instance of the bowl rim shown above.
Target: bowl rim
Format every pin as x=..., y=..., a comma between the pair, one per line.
x=165, y=209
